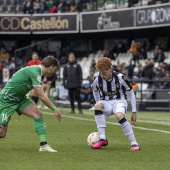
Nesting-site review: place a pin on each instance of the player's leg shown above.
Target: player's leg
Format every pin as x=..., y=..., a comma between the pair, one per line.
x=101, y=108
x=30, y=109
x=120, y=111
x=3, y=130
x=7, y=108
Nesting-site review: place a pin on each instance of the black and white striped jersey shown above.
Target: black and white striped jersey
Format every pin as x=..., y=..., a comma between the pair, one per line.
x=116, y=88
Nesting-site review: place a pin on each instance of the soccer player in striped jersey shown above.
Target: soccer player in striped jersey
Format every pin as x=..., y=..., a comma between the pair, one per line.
x=110, y=90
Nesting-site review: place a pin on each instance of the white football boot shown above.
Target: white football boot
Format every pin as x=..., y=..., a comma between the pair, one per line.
x=46, y=148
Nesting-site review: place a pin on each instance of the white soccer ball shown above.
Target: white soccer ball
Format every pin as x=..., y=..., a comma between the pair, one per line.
x=93, y=138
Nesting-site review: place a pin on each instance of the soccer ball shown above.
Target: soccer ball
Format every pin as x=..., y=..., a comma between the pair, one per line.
x=93, y=138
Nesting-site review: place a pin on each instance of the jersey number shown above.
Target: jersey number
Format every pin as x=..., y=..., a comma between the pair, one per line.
x=4, y=117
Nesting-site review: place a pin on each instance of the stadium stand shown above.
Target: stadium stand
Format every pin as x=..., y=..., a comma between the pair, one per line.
x=17, y=6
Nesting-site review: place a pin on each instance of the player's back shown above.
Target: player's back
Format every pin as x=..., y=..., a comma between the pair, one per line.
x=22, y=82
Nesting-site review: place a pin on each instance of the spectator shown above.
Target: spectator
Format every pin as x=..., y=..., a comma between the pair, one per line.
x=72, y=6
x=159, y=57
x=130, y=69
x=106, y=53
x=28, y=7
x=53, y=9
x=43, y=7
x=148, y=73
x=62, y=7
x=166, y=81
x=93, y=63
x=78, y=6
x=49, y=4
x=143, y=54
x=12, y=67
x=36, y=6
x=72, y=79
x=138, y=71
x=134, y=49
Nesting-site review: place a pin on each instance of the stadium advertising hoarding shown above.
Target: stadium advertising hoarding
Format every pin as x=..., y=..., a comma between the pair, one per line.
x=106, y=20
x=152, y=16
x=125, y=19
x=39, y=23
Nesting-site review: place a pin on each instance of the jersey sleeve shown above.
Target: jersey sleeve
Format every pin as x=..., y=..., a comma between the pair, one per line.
x=36, y=79
x=125, y=82
x=95, y=89
x=94, y=84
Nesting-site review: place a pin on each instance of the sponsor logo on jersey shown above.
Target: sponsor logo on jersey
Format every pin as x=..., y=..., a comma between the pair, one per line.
x=39, y=79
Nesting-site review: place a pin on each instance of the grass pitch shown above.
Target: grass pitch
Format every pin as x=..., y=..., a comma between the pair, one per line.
x=19, y=149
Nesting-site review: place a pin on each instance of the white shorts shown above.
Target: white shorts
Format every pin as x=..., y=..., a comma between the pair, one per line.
x=113, y=106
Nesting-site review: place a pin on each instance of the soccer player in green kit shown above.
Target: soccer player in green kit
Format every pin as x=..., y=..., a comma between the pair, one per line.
x=13, y=98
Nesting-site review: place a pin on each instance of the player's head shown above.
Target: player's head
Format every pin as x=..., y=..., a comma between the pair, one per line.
x=104, y=66
x=35, y=56
x=50, y=64
x=71, y=58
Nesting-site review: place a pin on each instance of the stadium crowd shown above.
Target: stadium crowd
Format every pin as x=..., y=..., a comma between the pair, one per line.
x=51, y=6
x=63, y=6
x=141, y=66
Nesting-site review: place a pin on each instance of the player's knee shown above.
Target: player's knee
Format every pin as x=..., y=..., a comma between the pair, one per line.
x=2, y=135
x=99, y=106
x=2, y=131
x=119, y=116
x=37, y=114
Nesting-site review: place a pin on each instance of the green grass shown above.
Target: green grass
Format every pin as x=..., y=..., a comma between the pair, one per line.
x=19, y=150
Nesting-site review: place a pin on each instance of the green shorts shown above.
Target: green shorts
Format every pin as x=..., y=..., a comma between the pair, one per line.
x=7, y=108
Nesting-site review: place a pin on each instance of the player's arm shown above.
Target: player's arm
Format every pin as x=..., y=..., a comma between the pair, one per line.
x=133, y=105
x=132, y=98
x=41, y=95
x=95, y=90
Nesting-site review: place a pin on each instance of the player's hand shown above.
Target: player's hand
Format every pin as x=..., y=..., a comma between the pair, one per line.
x=133, y=118
x=57, y=114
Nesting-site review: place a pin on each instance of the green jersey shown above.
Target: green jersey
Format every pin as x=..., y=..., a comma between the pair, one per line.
x=21, y=83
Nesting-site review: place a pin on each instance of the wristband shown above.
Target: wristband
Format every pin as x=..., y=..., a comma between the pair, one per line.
x=54, y=108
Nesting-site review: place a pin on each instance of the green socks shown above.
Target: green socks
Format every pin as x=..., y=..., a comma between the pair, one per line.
x=40, y=128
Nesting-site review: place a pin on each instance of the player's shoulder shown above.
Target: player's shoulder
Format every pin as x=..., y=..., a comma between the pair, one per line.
x=33, y=68
x=117, y=74
x=120, y=76
x=95, y=76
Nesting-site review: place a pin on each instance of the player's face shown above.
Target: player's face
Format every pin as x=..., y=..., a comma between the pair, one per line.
x=106, y=75
x=50, y=71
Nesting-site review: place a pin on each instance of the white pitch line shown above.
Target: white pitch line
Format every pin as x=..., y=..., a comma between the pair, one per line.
x=136, y=127
x=155, y=122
